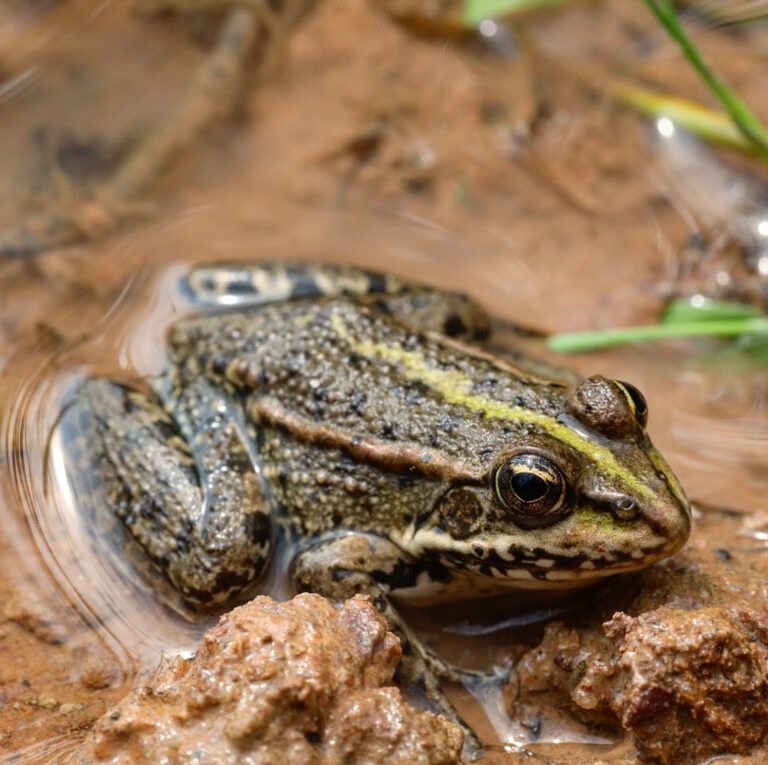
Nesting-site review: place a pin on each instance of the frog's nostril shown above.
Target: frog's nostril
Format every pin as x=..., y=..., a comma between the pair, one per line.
x=625, y=508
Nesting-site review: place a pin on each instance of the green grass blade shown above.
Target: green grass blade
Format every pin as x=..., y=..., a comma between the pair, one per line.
x=575, y=342
x=709, y=124
x=740, y=113
x=476, y=11
x=684, y=311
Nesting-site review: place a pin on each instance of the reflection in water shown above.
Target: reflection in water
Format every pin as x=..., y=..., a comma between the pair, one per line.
x=85, y=549
x=726, y=210
x=58, y=547
x=53, y=749
x=513, y=734
x=517, y=620
x=75, y=552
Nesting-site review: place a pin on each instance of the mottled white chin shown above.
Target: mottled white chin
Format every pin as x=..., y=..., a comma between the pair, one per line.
x=466, y=583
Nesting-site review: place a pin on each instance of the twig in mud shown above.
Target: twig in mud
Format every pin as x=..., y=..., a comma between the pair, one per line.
x=211, y=97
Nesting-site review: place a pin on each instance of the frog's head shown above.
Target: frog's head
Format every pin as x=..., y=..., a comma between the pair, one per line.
x=573, y=497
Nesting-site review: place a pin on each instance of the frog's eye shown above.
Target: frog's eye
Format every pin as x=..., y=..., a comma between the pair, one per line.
x=529, y=484
x=636, y=401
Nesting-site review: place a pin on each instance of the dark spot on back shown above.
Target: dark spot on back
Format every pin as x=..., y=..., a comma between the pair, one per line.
x=454, y=325
x=258, y=526
x=208, y=284
x=303, y=286
x=376, y=283
x=241, y=286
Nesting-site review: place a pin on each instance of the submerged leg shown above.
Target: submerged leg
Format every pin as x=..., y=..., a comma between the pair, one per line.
x=196, y=507
x=260, y=283
x=342, y=566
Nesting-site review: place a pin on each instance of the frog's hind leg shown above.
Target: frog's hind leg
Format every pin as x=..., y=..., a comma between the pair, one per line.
x=259, y=283
x=428, y=310
x=348, y=564
x=198, y=512
x=273, y=281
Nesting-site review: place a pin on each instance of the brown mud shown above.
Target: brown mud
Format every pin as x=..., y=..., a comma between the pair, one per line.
x=500, y=167
x=298, y=681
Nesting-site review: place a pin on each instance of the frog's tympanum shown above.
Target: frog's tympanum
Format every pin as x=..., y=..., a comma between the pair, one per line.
x=363, y=417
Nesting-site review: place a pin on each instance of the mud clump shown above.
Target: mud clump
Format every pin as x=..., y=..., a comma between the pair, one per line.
x=692, y=683
x=682, y=667
x=276, y=682
x=43, y=620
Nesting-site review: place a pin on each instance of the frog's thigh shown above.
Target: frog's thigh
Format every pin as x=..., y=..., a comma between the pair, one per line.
x=274, y=281
x=210, y=538
x=269, y=281
x=342, y=566
x=430, y=310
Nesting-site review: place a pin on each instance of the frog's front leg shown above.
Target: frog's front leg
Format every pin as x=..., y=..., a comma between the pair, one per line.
x=343, y=565
x=187, y=492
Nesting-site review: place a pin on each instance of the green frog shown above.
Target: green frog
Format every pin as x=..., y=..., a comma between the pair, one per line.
x=366, y=417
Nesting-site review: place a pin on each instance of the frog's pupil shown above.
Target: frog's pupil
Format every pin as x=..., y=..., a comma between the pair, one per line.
x=529, y=486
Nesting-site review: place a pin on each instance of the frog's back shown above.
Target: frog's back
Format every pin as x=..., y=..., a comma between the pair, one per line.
x=345, y=365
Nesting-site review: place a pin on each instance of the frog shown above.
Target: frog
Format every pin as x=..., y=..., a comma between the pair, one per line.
x=369, y=419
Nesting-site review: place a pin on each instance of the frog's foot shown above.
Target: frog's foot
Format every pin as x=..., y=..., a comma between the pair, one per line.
x=260, y=283
x=340, y=566
x=447, y=671
x=195, y=505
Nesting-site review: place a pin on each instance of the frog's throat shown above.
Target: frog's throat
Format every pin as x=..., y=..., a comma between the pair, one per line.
x=455, y=388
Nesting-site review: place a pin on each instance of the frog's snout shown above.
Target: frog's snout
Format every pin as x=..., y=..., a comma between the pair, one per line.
x=660, y=526
x=670, y=517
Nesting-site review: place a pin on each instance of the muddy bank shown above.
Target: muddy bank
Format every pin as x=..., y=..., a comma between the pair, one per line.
x=668, y=665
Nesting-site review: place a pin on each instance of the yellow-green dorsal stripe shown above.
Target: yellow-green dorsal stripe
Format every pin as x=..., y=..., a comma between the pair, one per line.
x=455, y=388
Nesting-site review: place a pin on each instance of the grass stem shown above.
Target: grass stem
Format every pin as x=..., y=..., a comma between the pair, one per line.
x=575, y=342
x=740, y=113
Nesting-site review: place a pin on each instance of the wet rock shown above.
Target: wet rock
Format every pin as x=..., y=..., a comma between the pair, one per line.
x=277, y=683
x=692, y=683
x=682, y=667
x=45, y=702
x=570, y=672
x=98, y=673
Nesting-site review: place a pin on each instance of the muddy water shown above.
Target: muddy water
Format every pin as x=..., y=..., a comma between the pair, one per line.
x=580, y=227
